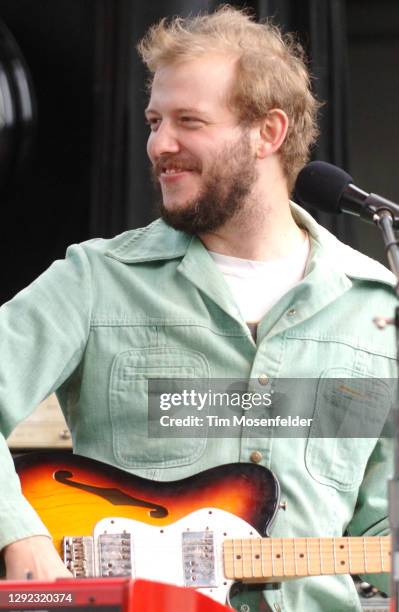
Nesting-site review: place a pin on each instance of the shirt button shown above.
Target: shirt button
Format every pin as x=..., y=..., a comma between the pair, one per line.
x=291, y=312
x=263, y=379
x=256, y=456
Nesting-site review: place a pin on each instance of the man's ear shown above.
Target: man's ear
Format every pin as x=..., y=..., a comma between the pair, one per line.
x=272, y=132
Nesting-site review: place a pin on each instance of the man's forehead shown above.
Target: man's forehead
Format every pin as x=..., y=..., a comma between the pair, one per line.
x=194, y=84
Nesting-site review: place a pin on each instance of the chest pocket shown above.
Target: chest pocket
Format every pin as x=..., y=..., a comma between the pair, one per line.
x=348, y=418
x=128, y=403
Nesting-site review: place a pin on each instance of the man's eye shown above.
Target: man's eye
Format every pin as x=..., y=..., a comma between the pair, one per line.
x=191, y=120
x=153, y=122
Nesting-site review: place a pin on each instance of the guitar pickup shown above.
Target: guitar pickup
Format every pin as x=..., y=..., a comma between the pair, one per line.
x=198, y=559
x=115, y=554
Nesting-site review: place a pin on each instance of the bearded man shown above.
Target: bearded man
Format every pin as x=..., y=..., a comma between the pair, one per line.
x=234, y=281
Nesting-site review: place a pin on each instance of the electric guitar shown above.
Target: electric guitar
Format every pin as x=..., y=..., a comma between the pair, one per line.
x=207, y=531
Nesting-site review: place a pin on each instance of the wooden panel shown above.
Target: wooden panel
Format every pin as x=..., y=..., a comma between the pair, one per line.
x=45, y=428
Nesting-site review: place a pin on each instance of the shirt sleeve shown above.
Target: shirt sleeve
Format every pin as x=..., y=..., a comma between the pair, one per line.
x=43, y=334
x=371, y=513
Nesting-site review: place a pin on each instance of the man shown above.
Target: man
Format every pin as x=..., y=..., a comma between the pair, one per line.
x=245, y=286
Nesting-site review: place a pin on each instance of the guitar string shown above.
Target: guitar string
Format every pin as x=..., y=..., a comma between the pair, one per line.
x=312, y=542
x=311, y=545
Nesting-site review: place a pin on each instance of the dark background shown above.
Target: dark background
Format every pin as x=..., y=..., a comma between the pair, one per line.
x=78, y=168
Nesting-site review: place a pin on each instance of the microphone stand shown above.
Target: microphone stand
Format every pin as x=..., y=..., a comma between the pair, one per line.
x=387, y=221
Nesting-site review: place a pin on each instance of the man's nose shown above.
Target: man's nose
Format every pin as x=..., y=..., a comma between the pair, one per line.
x=162, y=141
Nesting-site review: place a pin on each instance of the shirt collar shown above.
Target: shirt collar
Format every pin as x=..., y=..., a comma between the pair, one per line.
x=154, y=242
x=158, y=241
x=341, y=257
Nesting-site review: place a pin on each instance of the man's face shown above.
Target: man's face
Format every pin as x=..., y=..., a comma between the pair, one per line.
x=202, y=159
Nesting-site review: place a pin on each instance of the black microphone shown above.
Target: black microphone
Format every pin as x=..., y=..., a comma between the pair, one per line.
x=330, y=189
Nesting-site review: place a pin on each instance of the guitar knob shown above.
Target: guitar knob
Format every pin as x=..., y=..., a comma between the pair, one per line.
x=283, y=505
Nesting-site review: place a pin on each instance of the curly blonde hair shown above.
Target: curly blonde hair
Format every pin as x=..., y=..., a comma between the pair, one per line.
x=271, y=71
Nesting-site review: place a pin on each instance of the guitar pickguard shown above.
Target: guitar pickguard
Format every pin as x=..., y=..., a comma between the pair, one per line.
x=187, y=553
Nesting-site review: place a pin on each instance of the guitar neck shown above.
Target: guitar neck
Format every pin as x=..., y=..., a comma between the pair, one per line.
x=257, y=559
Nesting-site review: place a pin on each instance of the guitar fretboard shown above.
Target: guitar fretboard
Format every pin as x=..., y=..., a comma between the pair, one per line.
x=257, y=558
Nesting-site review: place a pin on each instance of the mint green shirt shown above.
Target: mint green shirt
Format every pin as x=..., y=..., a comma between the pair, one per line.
x=96, y=325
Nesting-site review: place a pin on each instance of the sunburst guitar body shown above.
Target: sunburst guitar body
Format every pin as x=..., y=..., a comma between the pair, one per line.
x=205, y=532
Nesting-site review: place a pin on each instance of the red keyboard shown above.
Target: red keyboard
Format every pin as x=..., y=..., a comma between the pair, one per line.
x=103, y=595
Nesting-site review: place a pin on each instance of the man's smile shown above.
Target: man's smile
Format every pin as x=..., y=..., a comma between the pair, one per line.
x=172, y=176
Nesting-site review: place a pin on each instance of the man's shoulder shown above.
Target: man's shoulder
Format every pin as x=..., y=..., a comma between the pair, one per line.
x=359, y=266
x=354, y=264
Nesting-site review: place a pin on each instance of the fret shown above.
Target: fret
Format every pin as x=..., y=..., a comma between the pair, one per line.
x=288, y=556
x=343, y=556
x=387, y=541
x=273, y=568
x=307, y=556
x=321, y=557
x=350, y=555
x=257, y=557
x=283, y=554
x=291, y=557
x=382, y=555
x=327, y=556
x=301, y=568
x=236, y=557
x=279, y=558
x=262, y=567
x=334, y=556
x=243, y=559
x=247, y=563
x=365, y=554
x=267, y=557
x=328, y=552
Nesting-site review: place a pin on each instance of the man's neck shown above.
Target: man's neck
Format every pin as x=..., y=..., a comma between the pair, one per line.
x=265, y=232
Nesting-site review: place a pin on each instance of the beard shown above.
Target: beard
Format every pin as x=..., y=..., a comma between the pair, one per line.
x=225, y=192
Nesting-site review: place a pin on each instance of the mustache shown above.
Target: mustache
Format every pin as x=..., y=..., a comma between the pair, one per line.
x=178, y=162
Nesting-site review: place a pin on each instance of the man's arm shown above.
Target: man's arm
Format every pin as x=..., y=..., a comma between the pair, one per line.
x=43, y=334
x=371, y=513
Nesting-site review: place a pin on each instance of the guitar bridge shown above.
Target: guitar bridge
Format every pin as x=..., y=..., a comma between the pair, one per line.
x=79, y=556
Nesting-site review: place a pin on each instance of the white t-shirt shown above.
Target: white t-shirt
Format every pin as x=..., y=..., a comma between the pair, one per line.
x=257, y=285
